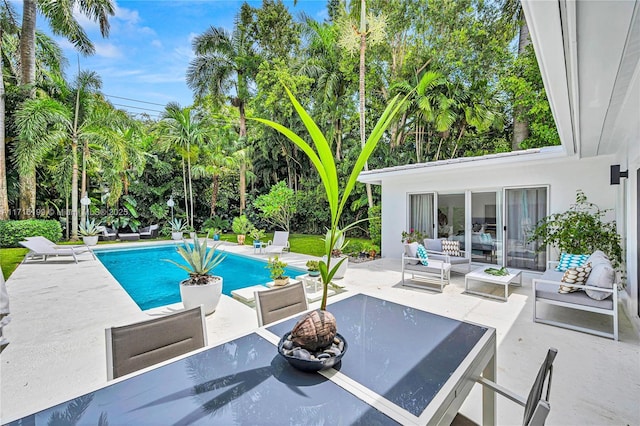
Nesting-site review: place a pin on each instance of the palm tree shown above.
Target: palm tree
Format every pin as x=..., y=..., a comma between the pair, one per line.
x=224, y=65
x=60, y=15
x=512, y=10
x=182, y=128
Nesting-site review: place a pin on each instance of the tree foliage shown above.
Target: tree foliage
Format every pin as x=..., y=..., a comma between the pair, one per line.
x=278, y=206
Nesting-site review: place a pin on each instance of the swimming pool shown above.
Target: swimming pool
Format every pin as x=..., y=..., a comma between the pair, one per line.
x=151, y=282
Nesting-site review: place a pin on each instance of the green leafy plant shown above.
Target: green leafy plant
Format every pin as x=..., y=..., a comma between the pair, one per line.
x=177, y=225
x=498, y=272
x=276, y=268
x=89, y=228
x=313, y=265
x=241, y=225
x=14, y=231
x=278, y=206
x=200, y=260
x=412, y=236
x=323, y=160
x=215, y=222
x=580, y=230
x=257, y=234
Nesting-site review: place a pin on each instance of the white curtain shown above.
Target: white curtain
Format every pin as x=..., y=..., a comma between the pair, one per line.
x=421, y=215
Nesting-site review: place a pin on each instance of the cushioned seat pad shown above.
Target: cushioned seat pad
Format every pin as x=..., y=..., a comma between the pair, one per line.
x=550, y=292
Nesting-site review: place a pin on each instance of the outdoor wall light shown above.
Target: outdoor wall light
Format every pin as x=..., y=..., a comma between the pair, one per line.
x=616, y=174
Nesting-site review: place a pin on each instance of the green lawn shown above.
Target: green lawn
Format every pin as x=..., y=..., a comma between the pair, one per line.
x=10, y=258
x=300, y=243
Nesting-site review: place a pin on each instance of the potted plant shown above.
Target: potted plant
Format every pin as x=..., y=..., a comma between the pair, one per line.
x=89, y=232
x=177, y=228
x=373, y=250
x=276, y=271
x=191, y=231
x=201, y=288
x=216, y=234
x=241, y=227
x=313, y=268
x=257, y=235
x=318, y=329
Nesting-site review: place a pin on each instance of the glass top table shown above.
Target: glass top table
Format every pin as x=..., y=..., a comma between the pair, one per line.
x=403, y=366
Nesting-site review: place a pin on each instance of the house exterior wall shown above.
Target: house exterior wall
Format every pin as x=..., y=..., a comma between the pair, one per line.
x=563, y=175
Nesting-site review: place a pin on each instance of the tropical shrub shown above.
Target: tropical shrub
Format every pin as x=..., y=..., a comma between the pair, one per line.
x=580, y=230
x=375, y=224
x=278, y=206
x=241, y=225
x=14, y=231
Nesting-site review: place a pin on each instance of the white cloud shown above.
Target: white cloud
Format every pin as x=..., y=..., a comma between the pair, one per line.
x=129, y=16
x=107, y=50
x=156, y=43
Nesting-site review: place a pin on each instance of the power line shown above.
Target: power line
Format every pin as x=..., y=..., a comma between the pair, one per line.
x=144, y=109
x=134, y=100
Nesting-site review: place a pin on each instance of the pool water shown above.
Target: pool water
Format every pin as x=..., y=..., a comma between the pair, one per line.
x=152, y=282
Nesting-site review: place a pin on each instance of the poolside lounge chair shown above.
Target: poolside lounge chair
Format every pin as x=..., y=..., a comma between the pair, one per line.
x=42, y=247
x=279, y=244
x=280, y=302
x=143, y=344
x=150, y=231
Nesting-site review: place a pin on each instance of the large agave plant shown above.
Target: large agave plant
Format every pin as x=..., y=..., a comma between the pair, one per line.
x=201, y=260
x=89, y=228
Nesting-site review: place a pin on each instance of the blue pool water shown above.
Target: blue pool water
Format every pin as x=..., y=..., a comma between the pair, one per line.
x=151, y=282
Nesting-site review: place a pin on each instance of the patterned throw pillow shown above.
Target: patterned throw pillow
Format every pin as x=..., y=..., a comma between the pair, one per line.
x=452, y=248
x=422, y=255
x=571, y=261
x=577, y=275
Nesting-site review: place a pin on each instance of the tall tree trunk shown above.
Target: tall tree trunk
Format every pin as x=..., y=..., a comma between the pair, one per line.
x=520, y=122
x=74, y=189
x=215, y=186
x=186, y=194
x=28, y=78
x=243, y=166
x=338, y=127
x=190, y=185
x=363, y=47
x=4, y=196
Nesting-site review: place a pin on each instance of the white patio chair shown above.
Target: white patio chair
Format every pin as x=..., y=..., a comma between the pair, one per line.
x=279, y=244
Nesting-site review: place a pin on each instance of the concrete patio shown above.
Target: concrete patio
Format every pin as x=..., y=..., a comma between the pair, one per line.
x=60, y=309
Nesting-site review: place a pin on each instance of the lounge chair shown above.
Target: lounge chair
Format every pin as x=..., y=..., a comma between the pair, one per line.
x=279, y=243
x=150, y=231
x=42, y=247
x=107, y=234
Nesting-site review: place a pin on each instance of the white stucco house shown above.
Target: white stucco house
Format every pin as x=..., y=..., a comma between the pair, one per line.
x=589, y=56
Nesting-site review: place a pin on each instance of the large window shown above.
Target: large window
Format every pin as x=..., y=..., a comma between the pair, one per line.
x=421, y=214
x=486, y=227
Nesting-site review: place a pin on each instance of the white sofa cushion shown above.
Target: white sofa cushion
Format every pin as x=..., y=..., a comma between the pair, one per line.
x=411, y=250
x=602, y=275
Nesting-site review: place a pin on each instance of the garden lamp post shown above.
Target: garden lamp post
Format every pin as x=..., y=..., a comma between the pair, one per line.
x=85, y=201
x=171, y=203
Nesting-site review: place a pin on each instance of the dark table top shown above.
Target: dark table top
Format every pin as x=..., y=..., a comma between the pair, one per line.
x=401, y=353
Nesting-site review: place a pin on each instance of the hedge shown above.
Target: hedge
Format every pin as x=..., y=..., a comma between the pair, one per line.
x=14, y=231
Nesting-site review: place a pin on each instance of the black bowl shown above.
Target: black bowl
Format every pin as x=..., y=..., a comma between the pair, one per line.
x=309, y=364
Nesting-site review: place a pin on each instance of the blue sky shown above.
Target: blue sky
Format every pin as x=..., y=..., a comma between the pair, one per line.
x=149, y=49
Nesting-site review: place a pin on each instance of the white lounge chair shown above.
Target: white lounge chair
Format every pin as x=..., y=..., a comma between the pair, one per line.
x=42, y=247
x=279, y=244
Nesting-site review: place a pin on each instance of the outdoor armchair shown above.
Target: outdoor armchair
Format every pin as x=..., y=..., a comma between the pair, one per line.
x=150, y=231
x=279, y=243
x=106, y=233
x=136, y=346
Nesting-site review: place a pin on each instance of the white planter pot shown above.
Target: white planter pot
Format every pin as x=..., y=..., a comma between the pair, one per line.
x=192, y=235
x=176, y=236
x=343, y=267
x=90, y=240
x=207, y=295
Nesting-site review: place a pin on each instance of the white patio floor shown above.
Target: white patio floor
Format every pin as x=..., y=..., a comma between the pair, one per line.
x=60, y=309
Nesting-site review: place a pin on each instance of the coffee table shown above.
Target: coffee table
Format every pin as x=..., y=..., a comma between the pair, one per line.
x=480, y=275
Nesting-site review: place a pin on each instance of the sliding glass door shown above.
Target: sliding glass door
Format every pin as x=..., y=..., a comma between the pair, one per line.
x=486, y=227
x=524, y=208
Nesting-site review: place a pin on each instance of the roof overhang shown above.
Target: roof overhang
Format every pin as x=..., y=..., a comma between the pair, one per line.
x=375, y=177
x=589, y=56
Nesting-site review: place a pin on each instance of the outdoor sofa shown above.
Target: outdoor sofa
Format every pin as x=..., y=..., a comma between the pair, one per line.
x=439, y=270
x=598, y=294
x=438, y=250
x=150, y=231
